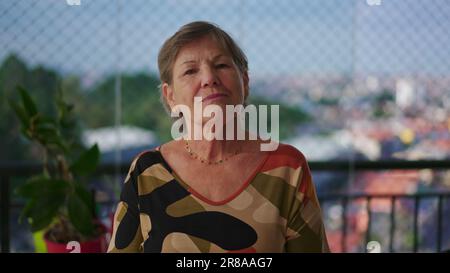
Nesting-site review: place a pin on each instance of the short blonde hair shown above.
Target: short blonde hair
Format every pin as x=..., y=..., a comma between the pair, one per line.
x=186, y=34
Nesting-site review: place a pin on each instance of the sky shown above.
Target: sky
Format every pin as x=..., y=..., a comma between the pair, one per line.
x=280, y=37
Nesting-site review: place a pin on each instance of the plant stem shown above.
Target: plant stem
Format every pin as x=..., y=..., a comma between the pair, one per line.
x=45, y=170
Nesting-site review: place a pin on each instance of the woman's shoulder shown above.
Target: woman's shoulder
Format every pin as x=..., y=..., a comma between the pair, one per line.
x=286, y=155
x=288, y=163
x=147, y=158
x=289, y=150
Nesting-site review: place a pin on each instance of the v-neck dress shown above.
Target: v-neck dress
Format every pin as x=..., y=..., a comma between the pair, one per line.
x=275, y=210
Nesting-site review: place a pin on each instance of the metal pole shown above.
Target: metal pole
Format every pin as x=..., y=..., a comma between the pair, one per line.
x=118, y=103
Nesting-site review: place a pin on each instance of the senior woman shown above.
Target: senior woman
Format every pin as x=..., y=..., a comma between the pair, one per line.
x=213, y=195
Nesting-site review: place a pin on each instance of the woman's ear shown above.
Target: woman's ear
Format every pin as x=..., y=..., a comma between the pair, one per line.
x=168, y=94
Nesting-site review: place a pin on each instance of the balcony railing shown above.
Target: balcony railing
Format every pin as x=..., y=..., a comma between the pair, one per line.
x=9, y=170
x=345, y=199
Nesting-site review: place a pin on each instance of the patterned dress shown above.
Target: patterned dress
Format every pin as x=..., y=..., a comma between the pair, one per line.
x=276, y=210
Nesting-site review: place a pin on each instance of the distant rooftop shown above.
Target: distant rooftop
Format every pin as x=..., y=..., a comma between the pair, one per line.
x=122, y=137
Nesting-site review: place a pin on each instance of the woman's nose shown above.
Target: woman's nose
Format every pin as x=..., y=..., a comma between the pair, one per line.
x=209, y=77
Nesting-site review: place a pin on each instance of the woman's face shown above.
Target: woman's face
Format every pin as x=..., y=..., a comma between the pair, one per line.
x=203, y=69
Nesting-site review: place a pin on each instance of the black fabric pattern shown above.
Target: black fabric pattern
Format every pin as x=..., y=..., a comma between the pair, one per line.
x=219, y=228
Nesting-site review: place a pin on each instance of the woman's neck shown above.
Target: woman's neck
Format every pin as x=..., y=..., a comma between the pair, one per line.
x=214, y=150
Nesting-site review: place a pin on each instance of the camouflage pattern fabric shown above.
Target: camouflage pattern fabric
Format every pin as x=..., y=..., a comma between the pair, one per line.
x=276, y=210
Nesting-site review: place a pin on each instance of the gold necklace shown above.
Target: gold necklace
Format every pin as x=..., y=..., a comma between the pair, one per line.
x=205, y=161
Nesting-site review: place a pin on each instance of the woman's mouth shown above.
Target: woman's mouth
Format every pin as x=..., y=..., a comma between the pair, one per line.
x=214, y=96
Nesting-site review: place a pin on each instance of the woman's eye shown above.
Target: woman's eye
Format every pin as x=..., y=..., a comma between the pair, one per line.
x=189, y=72
x=221, y=66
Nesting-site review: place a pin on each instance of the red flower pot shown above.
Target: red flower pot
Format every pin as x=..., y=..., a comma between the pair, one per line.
x=98, y=245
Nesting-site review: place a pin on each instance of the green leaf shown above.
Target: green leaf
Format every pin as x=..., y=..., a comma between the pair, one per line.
x=31, y=188
x=48, y=134
x=26, y=133
x=45, y=198
x=44, y=204
x=87, y=162
x=64, y=108
x=47, y=130
x=46, y=120
x=28, y=102
x=80, y=215
x=20, y=113
x=44, y=187
x=86, y=196
x=41, y=212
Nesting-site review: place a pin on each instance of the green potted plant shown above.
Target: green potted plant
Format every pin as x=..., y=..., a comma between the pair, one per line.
x=58, y=202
